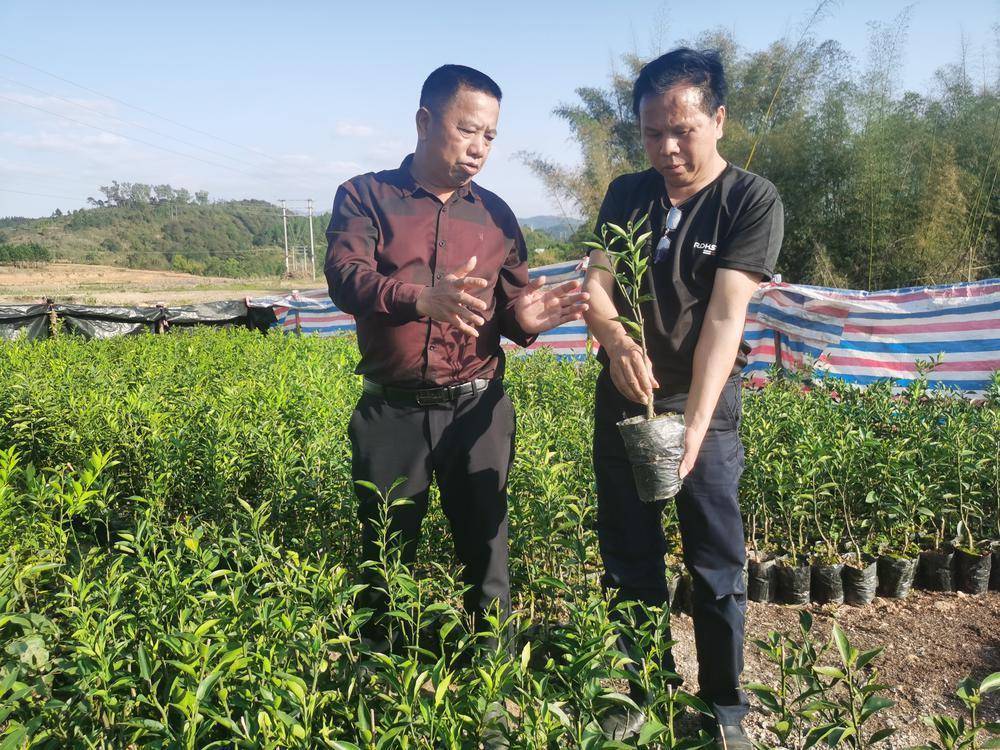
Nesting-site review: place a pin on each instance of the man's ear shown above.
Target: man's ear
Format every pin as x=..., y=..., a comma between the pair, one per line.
x=720, y=121
x=423, y=119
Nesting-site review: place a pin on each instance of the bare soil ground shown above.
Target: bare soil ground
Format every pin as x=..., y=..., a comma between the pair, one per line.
x=931, y=641
x=112, y=285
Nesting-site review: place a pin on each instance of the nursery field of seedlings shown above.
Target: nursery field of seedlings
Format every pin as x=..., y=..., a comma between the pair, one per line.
x=179, y=560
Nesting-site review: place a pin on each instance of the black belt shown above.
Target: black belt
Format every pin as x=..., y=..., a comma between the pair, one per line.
x=425, y=396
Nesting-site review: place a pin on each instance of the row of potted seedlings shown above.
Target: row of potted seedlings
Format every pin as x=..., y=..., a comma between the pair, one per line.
x=785, y=580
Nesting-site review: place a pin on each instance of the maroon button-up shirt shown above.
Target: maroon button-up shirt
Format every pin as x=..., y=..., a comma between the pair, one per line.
x=388, y=239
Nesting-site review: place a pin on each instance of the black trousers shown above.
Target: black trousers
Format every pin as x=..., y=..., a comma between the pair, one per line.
x=633, y=546
x=466, y=445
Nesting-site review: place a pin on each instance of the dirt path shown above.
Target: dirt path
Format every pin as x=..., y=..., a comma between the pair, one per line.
x=112, y=285
x=931, y=641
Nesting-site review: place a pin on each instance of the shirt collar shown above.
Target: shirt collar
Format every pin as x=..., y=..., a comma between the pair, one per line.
x=405, y=182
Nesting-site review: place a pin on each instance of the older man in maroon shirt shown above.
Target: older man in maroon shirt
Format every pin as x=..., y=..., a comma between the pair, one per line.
x=432, y=267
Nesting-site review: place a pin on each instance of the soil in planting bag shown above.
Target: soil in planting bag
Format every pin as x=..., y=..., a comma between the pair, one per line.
x=936, y=570
x=826, y=584
x=973, y=571
x=655, y=448
x=860, y=583
x=895, y=576
x=995, y=567
x=762, y=579
x=793, y=583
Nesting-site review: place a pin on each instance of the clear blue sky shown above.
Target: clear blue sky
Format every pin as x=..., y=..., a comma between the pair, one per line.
x=308, y=93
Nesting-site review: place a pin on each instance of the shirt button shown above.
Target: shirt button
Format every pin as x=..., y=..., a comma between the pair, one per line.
x=437, y=276
x=441, y=243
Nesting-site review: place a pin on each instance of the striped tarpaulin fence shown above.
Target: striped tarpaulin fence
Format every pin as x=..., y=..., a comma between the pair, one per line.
x=860, y=337
x=856, y=336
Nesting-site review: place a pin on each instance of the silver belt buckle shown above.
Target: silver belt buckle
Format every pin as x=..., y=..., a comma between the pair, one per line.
x=433, y=398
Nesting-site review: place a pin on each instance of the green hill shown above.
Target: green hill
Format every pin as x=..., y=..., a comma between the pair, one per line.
x=239, y=239
x=227, y=238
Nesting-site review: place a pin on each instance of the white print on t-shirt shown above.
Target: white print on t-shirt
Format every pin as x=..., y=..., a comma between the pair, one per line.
x=705, y=248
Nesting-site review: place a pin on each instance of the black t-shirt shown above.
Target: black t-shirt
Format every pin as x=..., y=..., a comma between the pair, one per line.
x=736, y=221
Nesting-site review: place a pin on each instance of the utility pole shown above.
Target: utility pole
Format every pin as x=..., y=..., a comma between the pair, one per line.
x=312, y=243
x=284, y=222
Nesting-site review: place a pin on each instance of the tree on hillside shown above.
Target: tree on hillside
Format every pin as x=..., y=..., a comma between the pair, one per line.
x=163, y=193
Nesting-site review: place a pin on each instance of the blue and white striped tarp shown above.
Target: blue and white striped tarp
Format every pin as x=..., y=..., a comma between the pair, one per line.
x=853, y=335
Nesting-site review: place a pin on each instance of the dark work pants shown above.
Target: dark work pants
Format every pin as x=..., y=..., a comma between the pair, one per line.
x=467, y=445
x=632, y=543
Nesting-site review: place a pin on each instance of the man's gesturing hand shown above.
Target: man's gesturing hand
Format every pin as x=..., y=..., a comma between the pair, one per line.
x=449, y=300
x=539, y=309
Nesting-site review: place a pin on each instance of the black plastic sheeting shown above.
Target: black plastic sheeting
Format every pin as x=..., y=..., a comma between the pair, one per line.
x=99, y=322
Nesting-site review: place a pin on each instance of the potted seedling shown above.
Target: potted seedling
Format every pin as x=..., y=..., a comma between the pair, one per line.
x=859, y=573
x=973, y=561
x=654, y=443
x=826, y=585
x=765, y=465
x=902, y=514
x=793, y=571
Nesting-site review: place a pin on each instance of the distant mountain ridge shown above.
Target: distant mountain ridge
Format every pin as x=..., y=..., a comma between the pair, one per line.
x=558, y=227
x=223, y=238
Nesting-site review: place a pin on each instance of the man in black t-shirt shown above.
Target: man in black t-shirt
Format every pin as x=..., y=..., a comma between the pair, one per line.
x=716, y=233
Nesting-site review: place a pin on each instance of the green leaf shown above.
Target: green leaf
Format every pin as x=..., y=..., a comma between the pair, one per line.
x=693, y=702
x=650, y=731
x=620, y=699
x=206, y=685
x=805, y=621
x=34, y=570
x=205, y=627
x=867, y=656
x=990, y=683
x=873, y=704
x=143, y=663
x=14, y=740
x=843, y=645
x=882, y=734
x=442, y=689
x=617, y=230
x=830, y=672
x=593, y=737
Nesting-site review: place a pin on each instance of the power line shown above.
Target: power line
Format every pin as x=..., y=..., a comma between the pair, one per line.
x=256, y=152
x=128, y=122
x=129, y=137
x=40, y=195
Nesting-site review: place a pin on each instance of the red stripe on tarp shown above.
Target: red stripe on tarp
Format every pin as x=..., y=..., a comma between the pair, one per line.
x=949, y=327
x=987, y=365
x=958, y=292
x=764, y=350
x=780, y=300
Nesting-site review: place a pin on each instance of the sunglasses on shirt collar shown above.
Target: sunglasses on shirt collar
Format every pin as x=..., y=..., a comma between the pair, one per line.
x=674, y=216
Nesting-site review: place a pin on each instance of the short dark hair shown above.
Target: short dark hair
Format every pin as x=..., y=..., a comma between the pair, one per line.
x=701, y=69
x=442, y=85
